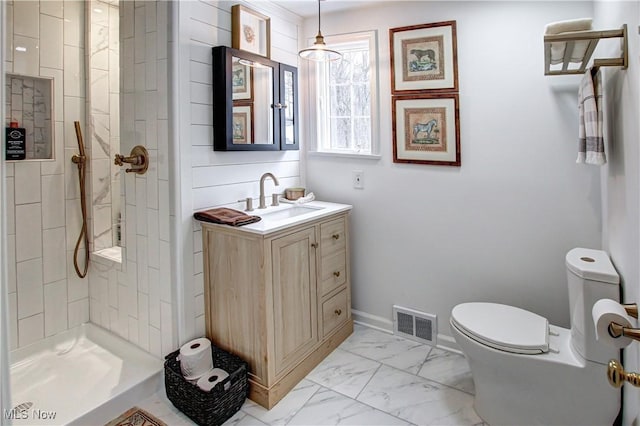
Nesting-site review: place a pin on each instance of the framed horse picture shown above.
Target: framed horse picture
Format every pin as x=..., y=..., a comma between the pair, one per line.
x=426, y=129
x=424, y=57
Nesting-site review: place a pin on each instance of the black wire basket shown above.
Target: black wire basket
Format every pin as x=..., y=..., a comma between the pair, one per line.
x=220, y=403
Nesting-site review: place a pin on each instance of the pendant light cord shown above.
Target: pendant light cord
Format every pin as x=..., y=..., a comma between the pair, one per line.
x=319, y=18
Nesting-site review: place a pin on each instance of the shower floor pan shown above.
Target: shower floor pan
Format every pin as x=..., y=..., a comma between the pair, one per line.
x=83, y=376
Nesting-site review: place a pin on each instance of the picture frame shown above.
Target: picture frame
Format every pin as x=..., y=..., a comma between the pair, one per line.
x=242, y=123
x=250, y=31
x=426, y=129
x=241, y=81
x=424, y=57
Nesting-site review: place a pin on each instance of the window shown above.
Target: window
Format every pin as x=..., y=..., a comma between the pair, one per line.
x=346, y=107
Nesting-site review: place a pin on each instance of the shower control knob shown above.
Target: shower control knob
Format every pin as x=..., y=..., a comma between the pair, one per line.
x=139, y=160
x=617, y=376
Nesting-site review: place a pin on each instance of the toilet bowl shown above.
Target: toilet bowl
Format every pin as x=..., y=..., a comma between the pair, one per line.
x=527, y=371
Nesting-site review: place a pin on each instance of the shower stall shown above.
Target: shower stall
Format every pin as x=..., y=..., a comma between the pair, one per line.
x=82, y=343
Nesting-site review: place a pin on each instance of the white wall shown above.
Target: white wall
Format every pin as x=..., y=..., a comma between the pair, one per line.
x=497, y=228
x=621, y=186
x=212, y=178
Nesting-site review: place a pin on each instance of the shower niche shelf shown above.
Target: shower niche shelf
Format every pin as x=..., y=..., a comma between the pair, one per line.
x=29, y=101
x=570, y=39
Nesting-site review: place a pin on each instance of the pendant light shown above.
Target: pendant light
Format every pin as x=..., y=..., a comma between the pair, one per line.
x=319, y=52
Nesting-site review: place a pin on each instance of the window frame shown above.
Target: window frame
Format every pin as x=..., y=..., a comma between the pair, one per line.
x=319, y=131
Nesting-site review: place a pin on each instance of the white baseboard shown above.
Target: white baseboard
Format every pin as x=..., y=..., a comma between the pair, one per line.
x=372, y=321
x=445, y=342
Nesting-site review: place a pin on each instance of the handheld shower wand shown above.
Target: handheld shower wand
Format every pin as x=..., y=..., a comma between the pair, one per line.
x=81, y=160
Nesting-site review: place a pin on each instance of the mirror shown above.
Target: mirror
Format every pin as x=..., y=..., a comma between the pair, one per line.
x=244, y=93
x=252, y=93
x=289, y=103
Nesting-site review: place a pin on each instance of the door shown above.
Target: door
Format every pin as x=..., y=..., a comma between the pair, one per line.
x=294, y=297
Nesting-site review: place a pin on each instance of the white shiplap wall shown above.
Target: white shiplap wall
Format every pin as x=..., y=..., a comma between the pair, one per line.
x=218, y=178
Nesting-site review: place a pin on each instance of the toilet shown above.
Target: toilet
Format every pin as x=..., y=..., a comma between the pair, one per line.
x=529, y=372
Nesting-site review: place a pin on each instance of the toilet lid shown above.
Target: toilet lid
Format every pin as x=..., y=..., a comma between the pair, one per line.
x=503, y=327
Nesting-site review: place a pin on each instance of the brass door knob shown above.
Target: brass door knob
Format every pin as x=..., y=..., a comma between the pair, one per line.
x=335, y=236
x=314, y=245
x=336, y=274
x=337, y=311
x=617, y=376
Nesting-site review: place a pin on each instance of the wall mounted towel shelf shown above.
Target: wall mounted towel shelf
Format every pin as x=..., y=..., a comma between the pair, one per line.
x=592, y=38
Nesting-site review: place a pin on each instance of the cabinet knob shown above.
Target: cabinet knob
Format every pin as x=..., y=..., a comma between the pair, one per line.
x=336, y=274
x=314, y=245
x=336, y=236
x=337, y=311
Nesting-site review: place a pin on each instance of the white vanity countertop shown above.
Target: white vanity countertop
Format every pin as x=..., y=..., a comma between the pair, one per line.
x=286, y=215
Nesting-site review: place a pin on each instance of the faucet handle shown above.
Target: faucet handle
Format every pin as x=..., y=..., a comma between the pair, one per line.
x=275, y=199
x=249, y=202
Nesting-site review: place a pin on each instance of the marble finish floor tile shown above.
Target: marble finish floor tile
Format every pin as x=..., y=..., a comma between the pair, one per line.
x=344, y=372
x=418, y=400
x=448, y=368
x=386, y=348
x=284, y=410
x=159, y=405
x=327, y=407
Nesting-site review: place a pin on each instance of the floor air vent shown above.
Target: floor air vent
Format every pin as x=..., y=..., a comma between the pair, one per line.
x=415, y=325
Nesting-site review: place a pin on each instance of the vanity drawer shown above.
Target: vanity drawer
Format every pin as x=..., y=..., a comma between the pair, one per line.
x=334, y=312
x=332, y=237
x=333, y=271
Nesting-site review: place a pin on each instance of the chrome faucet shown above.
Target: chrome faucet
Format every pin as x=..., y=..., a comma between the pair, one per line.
x=262, y=179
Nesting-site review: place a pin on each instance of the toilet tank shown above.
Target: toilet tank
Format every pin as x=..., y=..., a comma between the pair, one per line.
x=591, y=277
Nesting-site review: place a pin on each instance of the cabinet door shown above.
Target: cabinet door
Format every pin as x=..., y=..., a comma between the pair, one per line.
x=288, y=107
x=294, y=297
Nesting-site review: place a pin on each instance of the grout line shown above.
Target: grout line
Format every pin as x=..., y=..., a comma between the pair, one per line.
x=408, y=372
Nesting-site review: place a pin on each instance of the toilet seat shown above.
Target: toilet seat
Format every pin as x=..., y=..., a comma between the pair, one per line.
x=502, y=327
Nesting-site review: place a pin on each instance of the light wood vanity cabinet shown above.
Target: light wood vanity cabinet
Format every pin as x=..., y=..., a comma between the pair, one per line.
x=281, y=301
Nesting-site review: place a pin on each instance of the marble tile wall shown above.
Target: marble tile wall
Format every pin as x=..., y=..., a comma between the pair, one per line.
x=135, y=299
x=104, y=123
x=43, y=213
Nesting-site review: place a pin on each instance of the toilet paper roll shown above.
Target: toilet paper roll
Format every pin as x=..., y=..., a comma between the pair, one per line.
x=195, y=358
x=604, y=312
x=211, y=378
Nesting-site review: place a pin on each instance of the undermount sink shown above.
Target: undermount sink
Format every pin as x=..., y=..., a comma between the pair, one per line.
x=289, y=212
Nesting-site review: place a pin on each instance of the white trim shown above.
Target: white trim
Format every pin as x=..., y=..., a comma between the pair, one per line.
x=448, y=343
x=180, y=176
x=5, y=388
x=316, y=131
x=335, y=154
x=372, y=321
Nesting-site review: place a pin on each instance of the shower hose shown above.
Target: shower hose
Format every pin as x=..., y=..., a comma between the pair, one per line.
x=80, y=160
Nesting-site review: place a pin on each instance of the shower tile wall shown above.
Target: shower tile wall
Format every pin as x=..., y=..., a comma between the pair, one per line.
x=135, y=300
x=104, y=116
x=45, y=296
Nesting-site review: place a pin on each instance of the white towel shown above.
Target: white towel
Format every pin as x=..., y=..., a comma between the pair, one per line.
x=590, y=130
x=558, y=48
